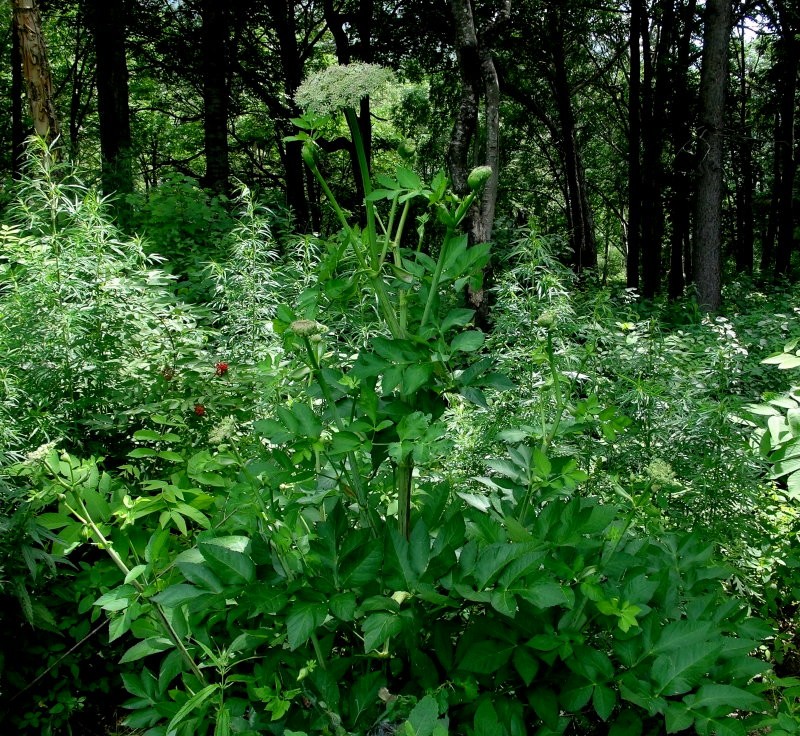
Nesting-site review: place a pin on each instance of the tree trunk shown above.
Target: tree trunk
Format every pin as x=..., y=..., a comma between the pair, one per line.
x=292, y=66
x=745, y=182
x=658, y=81
x=579, y=216
x=107, y=21
x=17, y=125
x=788, y=66
x=215, y=95
x=708, y=219
x=36, y=69
x=681, y=138
x=479, y=79
x=634, y=146
x=768, y=241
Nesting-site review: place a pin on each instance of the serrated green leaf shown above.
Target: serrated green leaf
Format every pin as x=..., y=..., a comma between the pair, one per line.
x=303, y=620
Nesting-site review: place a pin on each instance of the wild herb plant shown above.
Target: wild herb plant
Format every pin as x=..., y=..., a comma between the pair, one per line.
x=88, y=322
x=325, y=573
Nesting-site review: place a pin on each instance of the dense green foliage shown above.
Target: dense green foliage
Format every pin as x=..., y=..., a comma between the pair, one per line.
x=300, y=492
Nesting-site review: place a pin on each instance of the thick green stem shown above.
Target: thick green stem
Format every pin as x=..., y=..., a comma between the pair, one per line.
x=437, y=275
x=403, y=476
x=363, y=170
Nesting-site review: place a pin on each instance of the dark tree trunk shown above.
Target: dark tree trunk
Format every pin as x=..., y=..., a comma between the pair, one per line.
x=36, y=69
x=768, y=242
x=634, y=147
x=292, y=65
x=658, y=81
x=215, y=95
x=107, y=20
x=788, y=66
x=579, y=216
x=17, y=124
x=708, y=219
x=681, y=137
x=745, y=181
x=479, y=80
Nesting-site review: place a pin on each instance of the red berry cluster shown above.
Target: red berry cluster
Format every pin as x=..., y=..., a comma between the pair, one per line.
x=199, y=409
x=221, y=369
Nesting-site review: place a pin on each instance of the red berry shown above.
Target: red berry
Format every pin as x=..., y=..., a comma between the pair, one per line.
x=199, y=409
x=221, y=369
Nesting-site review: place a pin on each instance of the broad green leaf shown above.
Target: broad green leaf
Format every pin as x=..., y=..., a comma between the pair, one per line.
x=343, y=606
x=146, y=647
x=526, y=665
x=485, y=657
x=467, y=342
x=682, y=634
x=303, y=620
x=423, y=717
x=176, y=595
x=457, y=318
x=486, y=720
x=378, y=628
x=679, y=670
x=229, y=554
x=604, y=699
x=147, y=435
x=546, y=595
x=723, y=699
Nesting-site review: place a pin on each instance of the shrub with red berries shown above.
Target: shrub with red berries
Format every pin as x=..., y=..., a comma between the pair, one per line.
x=221, y=369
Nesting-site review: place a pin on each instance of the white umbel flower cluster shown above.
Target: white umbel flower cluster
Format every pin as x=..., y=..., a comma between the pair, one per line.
x=341, y=86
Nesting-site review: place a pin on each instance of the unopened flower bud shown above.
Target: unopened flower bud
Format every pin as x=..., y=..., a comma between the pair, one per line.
x=310, y=154
x=478, y=177
x=307, y=328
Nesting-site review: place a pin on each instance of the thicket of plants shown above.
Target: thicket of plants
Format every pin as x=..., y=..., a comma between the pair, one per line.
x=301, y=492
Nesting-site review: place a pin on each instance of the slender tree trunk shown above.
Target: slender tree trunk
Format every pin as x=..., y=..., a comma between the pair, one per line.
x=479, y=79
x=654, y=135
x=708, y=220
x=768, y=242
x=36, y=69
x=579, y=216
x=17, y=125
x=215, y=95
x=292, y=65
x=743, y=157
x=634, y=147
x=681, y=135
x=107, y=20
x=788, y=65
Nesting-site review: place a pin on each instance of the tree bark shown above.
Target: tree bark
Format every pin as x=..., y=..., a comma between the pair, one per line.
x=634, y=146
x=107, y=21
x=788, y=65
x=708, y=218
x=292, y=66
x=479, y=80
x=215, y=95
x=17, y=125
x=579, y=216
x=36, y=69
x=745, y=181
x=680, y=271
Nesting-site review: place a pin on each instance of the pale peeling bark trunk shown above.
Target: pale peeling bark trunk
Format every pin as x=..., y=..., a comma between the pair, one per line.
x=36, y=68
x=479, y=80
x=708, y=219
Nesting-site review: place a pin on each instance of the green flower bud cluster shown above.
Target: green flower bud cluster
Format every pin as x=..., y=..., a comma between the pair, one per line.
x=307, y=328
